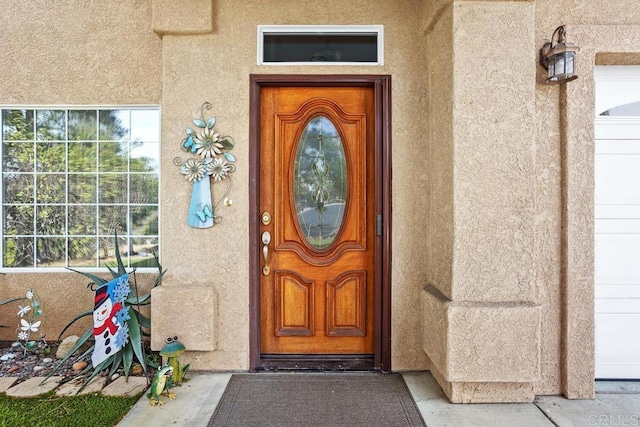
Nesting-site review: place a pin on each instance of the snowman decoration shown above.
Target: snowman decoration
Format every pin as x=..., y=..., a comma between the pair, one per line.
x=109, y=319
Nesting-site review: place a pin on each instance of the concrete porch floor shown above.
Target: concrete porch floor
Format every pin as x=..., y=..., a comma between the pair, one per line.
x=616, y=404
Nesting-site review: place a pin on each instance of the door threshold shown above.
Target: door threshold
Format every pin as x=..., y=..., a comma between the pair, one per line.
x=314, y=362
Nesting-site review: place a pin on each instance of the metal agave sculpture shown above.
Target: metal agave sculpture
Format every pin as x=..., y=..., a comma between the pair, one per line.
x=137, y=321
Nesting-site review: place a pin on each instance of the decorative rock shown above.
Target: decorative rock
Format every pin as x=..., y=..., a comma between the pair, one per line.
x=15, y=344
x=47, y=360
x=13, y=369
x=137, y=369
x=79, y=366
x=66, y=345
x=114, y=377
x=37, y=368
x=7, y=356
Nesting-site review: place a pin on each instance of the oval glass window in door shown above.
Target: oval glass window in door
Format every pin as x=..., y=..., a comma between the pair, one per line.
x=320, y=182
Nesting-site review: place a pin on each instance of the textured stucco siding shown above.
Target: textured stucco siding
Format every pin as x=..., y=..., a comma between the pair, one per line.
x=79, y=53
x=493, y=160
x=521, y=218
x=564, y=187
x=216, y=67
x=73, y=53
x=154, y=52
x=492, y=187
x=440, y=148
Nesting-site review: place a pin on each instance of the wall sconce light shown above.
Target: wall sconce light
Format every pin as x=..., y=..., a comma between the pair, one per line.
x=559, y=58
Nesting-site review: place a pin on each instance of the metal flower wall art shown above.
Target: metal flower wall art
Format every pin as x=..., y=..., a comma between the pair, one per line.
x=212, y=161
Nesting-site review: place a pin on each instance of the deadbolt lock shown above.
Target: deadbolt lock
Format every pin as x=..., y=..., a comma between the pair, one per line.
x=266, y=218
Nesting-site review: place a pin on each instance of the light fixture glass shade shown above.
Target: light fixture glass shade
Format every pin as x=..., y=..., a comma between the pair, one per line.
x=559, y=59
x=569, y=63
x=559, y=62
x=551, y=69
x=561, y=68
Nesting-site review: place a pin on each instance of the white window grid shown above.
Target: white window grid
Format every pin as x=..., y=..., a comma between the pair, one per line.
x=98, y=235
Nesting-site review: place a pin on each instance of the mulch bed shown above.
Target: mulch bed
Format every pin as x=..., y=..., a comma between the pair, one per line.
x=34, y=363
x=40, y=363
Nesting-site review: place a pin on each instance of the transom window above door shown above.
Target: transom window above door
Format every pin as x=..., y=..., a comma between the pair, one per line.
x=320, y=44
x=74, y=177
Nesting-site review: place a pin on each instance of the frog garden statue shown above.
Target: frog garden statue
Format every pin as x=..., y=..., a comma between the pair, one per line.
x=171, y=350
x=160, y=386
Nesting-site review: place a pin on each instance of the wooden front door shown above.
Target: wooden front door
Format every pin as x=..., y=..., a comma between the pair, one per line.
x=317, y=199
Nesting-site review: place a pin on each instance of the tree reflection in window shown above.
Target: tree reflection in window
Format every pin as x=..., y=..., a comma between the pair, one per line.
x=74, y=177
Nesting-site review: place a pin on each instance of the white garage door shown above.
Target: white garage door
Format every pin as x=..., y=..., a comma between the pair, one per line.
x=617, y=222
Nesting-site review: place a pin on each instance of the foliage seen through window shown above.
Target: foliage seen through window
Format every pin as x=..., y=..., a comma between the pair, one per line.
x=71, y=179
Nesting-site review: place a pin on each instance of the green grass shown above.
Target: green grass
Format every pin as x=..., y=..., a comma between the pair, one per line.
x=50, y=410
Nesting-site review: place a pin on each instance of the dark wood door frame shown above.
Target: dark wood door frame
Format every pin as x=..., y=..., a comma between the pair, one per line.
x=382, y=89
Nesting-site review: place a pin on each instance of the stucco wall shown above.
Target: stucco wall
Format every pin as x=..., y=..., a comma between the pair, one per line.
x=493, y=182
x=107, y=53
x=79, y=53
x=552, y=214
x=440, y=167
x=482, y=203
x=504, y=162
x=564, y=161
x=216, y=67
x=73, y=53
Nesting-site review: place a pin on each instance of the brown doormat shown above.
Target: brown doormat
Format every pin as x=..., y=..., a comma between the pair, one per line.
x=322, y=399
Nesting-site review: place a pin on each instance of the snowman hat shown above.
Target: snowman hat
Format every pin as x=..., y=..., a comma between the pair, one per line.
x=101, y=296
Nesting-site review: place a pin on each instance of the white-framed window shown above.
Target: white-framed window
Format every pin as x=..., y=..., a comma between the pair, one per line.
x=320, y=44
x=74, y=177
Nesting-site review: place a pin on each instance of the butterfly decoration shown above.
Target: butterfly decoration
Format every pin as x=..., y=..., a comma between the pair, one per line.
x=189, y=144
x=28, y=326
x=205, y=213
x=212, y=151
